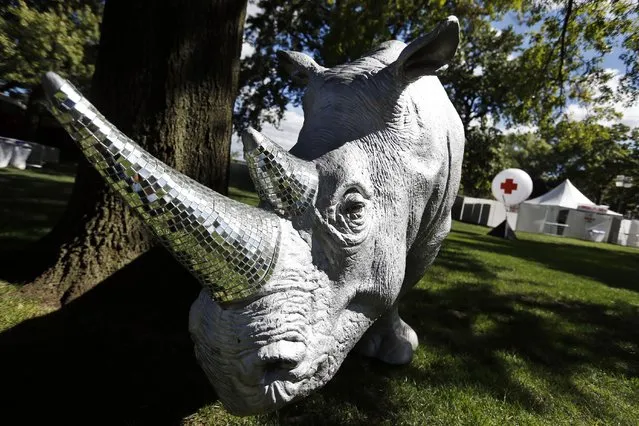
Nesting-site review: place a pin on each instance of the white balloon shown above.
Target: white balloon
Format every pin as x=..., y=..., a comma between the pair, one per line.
x=512, y=186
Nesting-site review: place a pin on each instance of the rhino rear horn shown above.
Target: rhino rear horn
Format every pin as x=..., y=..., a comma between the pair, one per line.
x=287, y=183
x=231, y=248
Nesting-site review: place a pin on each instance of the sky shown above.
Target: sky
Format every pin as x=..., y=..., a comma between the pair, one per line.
x=286, y=134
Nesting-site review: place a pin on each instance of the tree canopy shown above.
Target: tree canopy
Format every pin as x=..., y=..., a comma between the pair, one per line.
x=519, y=63
x=39, y=36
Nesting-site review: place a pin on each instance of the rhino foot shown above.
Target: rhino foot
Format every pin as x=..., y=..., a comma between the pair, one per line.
x=390, y=340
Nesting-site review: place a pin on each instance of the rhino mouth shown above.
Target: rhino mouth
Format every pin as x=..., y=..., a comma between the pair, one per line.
x=281, y=392
x=278, y=381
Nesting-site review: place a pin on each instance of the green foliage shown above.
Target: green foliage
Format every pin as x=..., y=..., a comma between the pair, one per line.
x=523, y=76
x=530, y=152
x=591, y=155
x=561, y=61
x=587, y=152
x=477, y=79
x=515, y=76
x=482, y=160
x=36, y=37
x=336, y=32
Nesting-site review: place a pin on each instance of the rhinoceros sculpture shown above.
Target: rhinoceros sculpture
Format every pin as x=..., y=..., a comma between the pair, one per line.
x=350, y=219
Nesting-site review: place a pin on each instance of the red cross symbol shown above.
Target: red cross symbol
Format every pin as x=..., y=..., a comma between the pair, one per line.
x=508, y=186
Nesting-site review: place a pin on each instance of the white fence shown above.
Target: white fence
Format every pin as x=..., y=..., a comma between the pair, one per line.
x=482, y=212
x=19, y=154
x=629, y=233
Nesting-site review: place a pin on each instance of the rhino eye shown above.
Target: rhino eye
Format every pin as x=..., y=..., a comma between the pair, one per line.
x=347, y=221
x=353, y=210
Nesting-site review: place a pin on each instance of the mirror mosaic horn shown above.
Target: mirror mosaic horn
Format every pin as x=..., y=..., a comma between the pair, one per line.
x=229, y=247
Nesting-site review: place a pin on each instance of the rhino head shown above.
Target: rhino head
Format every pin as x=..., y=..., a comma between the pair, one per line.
x=350, y=219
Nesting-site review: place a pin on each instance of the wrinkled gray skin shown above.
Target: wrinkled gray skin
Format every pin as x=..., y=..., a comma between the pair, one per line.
x=387, y=145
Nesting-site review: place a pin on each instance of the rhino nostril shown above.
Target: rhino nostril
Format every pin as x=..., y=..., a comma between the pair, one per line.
x=280, y=365
x=279, y=359
x=278, y=370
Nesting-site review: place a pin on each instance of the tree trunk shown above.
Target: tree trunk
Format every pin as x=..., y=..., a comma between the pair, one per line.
x=166, y=76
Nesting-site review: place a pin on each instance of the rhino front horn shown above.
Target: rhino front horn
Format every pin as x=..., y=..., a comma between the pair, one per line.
x=229, y=247
x=287, y=183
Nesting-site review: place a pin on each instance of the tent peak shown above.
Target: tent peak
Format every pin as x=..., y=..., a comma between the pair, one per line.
x=564, y=195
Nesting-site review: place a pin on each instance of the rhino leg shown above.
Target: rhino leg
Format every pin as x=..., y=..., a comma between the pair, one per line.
x=390, y=340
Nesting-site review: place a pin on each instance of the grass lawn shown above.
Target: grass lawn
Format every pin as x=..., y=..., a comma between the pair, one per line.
x=543, y=330
x=31, y=201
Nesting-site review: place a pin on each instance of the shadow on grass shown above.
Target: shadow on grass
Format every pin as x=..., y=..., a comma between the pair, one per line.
x=554, y=338
x=357, y=395
x=614, y=268
x=121, y=353
x=31, y=202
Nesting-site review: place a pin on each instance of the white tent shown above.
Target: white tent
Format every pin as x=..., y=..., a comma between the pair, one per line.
x=565, y=211
x=565, y=195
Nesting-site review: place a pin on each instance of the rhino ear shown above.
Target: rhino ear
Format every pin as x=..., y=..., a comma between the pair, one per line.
x=431, y=52
x=300, y=67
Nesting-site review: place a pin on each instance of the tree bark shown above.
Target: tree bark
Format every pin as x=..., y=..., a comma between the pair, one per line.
x=166, y=75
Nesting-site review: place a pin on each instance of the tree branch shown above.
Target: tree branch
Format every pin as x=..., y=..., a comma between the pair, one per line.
x=562, y=50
